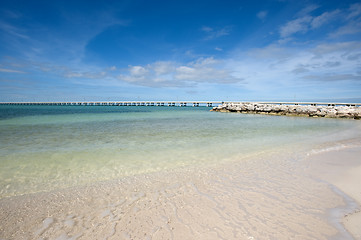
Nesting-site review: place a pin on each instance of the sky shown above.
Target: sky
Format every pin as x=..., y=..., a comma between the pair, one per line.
x=261, y=50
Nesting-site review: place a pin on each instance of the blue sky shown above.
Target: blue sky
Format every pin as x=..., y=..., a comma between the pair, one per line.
x=280, y=50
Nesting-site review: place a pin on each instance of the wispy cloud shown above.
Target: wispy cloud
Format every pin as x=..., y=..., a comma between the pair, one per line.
x=212, y=33
x=307, y=10
x=86, y=75
x=349, y=48
x=334, y=77
x=207, y=29
x=171, y=74
x=349, y=21
x=10, y=70
x=324, y=18
x=353, y=24
x=354, y=11
x=10, y=14
x=40, y=41
x=262, y=14
x=158, y=74
x=12, y=30
x=348, y=29
x=258, y=68
x=112, y=68
x=276, y=67
x=295, y=26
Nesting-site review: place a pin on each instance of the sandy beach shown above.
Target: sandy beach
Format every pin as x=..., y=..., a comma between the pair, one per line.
x=341, y=167
x=194, y=174
x=180, y=120
x=263, y=197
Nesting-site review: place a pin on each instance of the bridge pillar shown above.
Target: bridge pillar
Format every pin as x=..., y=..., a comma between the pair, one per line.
x=195, y=104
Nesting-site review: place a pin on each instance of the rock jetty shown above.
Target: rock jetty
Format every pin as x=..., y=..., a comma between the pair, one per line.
x=311, y=110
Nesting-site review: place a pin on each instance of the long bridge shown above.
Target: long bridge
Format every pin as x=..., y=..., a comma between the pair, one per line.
x=167, y=103
x=121, y=103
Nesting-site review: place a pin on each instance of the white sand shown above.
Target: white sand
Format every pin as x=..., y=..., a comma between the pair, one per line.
x=342, y=168
x=265, y=197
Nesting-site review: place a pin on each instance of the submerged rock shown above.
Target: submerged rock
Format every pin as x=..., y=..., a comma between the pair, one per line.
x=332, y=111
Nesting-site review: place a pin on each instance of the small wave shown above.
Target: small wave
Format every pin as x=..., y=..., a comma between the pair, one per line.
x=338, y=147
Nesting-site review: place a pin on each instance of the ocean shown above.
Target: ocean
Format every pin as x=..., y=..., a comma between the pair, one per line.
x=132, y=172
x=43, y=148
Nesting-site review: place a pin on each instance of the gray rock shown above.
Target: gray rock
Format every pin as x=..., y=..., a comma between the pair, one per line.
x=281, y=109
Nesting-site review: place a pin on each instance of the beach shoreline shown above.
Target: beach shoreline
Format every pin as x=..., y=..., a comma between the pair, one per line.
x=342, y=169
x=198, y=175
x=234, y=200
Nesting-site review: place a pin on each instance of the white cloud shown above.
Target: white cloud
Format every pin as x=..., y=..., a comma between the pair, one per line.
x=262, y=15
x=205, y=62
x=216, y=33
x=207, y=29
x=161, y=68
x=171, y=74
x=13, y=31
x=85, y=75
x=307, y=10
x=334, y=77
x=349, y=22
x=348, y=29
x=10, y=70
x=136, y=74
x=295, y=26
x=274, y=67
x=74, y=75
x=354, y=11
x=353, y=22
x=137, y=71
x=346, y=48
x=10, y=14
x=270, y=68
x=35, y=41
x=324, y=18
x=269, y=52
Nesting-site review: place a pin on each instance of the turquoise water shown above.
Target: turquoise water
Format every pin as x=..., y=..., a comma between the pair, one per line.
x=49, y=147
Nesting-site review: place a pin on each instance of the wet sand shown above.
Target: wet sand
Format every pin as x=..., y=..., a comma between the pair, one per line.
x=341, y=167
x=266, y=196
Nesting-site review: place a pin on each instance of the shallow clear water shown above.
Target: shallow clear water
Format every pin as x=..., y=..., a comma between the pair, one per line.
x=50, y=147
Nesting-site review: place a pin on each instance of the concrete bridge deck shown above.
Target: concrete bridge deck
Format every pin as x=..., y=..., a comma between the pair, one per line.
x=121, y=103
x=168, y=103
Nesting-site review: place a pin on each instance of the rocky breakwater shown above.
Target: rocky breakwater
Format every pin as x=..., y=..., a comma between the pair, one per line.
x=313, y=110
